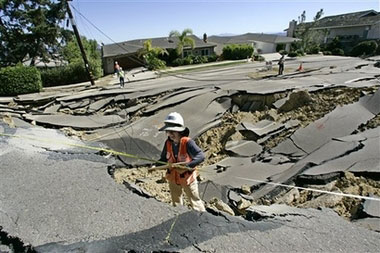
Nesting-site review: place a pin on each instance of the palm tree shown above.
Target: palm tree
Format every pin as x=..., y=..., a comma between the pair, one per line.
x=183, y=39
x=150, y=55
x=149, y=49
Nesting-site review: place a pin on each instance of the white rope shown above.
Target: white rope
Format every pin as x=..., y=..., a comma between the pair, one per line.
x=314, y=190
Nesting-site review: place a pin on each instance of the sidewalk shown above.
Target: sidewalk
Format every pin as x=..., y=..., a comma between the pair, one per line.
x=141, y=73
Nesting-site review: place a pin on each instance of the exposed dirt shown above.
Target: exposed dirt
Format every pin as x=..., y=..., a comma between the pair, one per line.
x=214, y=140
x=345, y=206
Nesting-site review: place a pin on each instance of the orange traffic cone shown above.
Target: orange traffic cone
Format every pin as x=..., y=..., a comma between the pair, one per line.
x=300, y=68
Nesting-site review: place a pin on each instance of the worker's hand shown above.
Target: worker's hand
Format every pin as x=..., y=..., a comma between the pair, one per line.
x=180, y=167
x=151, y=169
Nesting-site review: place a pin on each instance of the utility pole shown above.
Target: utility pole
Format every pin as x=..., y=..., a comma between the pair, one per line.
x=87, y=66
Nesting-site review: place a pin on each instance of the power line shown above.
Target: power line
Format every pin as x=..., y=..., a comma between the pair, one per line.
x=137, y=60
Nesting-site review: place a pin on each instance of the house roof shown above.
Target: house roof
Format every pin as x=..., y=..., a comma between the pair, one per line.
x=39, y=63
x=251, y=37
x=132, y=46
x=361, y=18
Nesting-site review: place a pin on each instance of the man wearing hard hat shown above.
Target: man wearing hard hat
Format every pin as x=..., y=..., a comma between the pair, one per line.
x=182, y=154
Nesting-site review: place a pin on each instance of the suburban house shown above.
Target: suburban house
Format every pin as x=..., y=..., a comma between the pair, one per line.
x=262, y=43
x=125, y=53
x=362, y=25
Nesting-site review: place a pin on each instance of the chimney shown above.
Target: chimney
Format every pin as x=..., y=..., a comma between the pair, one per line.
x=205, y=38
x=292, y=28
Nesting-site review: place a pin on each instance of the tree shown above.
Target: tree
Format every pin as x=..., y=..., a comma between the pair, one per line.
x=151, y=54
x=71, y=51
x=183, y=39
x=31, y=27
x=302, y=18
x=72, y=54
x=318, y=15
x=310, y=38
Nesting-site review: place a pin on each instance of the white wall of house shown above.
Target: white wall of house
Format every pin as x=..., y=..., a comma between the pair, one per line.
x=108, y=67
x=264, y=47
x=374, y=31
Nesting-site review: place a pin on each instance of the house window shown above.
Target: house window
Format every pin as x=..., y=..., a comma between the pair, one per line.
x=204, y=52
x=365, y=32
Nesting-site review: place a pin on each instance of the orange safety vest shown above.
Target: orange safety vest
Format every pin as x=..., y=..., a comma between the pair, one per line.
x=186, y=178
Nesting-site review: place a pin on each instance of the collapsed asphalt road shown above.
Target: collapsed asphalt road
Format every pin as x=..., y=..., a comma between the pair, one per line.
x=263, y=129
x=56, y=198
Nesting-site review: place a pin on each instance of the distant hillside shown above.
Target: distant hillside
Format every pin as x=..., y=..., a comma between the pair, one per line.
x=279, y=33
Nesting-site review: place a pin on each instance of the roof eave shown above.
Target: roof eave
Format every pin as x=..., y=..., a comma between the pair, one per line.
x=341, y=26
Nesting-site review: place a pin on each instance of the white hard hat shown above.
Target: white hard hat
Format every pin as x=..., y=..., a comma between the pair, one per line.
x=173, y=122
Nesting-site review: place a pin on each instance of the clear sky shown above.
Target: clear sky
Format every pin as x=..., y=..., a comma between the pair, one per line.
x=123, y=20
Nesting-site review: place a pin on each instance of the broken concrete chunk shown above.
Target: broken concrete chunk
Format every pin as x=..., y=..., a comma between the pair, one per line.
x=340, y=122
x=275, y=159
x=79, y=104
x=293, y=101
x=289, y=197
x=221, y=206
x=136, y=108
x=243, y=148
x=372, y=102
x=208, y=190
x=94, y=107
x=52, y=109
x=272, y=115
x=355, y=153
x=258, y=130
x=246, y=189
x=371, y=208
x=243, y=204
x=78, y=122
x=260, y=212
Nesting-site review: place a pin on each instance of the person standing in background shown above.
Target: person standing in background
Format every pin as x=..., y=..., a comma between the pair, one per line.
x=116, y=67
x=121, y=75
x=281, y=65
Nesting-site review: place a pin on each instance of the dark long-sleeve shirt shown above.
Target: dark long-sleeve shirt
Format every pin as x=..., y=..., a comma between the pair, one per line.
x=193, y=150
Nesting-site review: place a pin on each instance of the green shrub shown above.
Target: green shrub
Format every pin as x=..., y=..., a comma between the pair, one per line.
x=292, y=54
x=177, y=62
x=327, y=53
x=337, y=51
x=258, y=57
x=212, y=58
x=19, y=80
x=364, y=48
x=280, y=47
x=188, y=60
x=237, y=51
x=73, y=73
x=153, y=62
x=283, y=52
x=300, y=52
x=314, y=49
x=199, y=59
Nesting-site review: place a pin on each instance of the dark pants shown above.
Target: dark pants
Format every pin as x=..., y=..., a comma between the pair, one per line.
x=121, y=81
x=280, y=69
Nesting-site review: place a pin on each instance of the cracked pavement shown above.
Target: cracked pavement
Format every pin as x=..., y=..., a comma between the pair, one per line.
x=58, y=197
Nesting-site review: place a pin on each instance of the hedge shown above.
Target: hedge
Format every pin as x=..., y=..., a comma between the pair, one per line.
x=365, y=48
x=237, y=52
x=19, y=80
x=72, y=73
